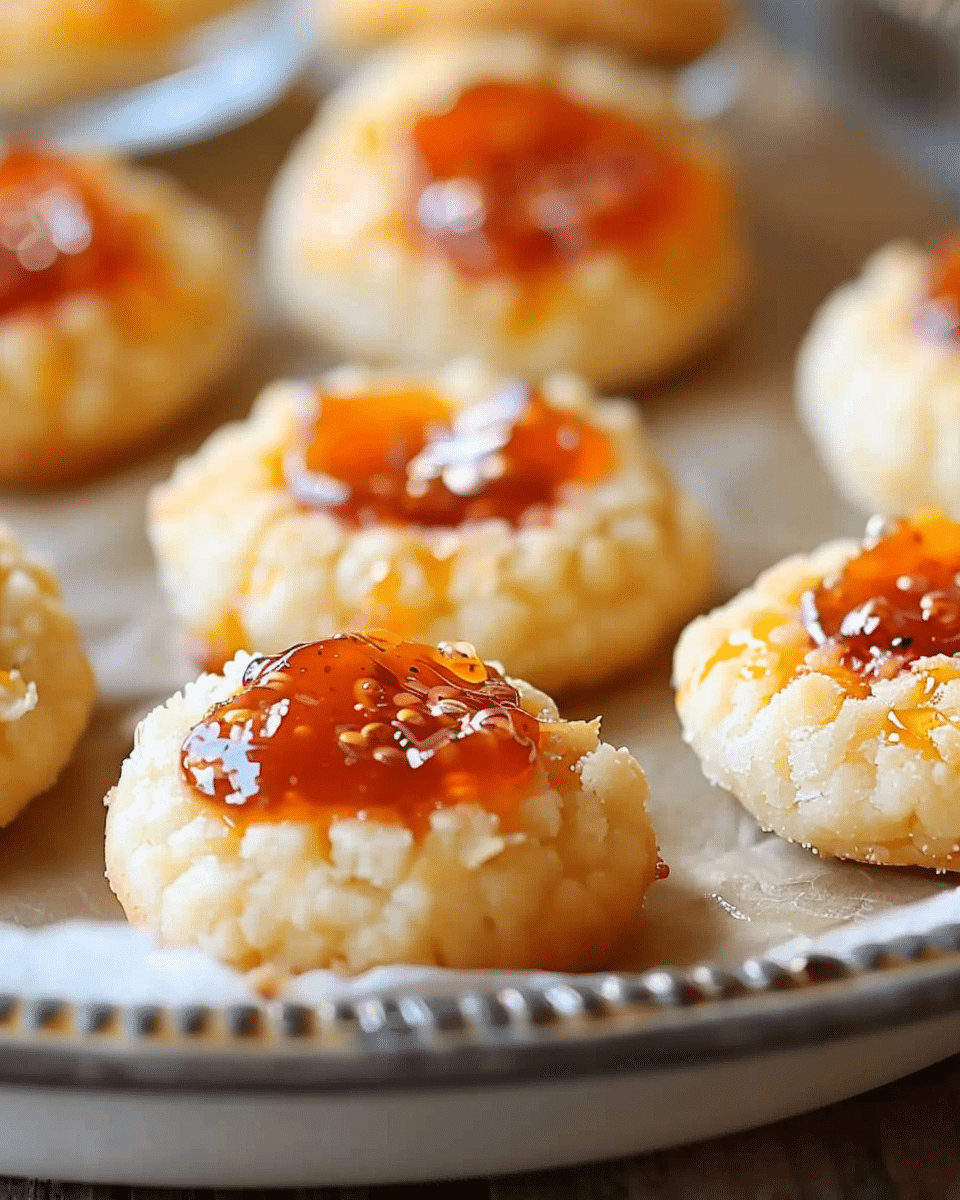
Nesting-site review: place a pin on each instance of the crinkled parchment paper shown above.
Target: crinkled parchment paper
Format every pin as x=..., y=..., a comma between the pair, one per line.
x=818, y=198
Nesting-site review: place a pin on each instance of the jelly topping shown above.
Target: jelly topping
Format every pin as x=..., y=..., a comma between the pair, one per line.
x=896, y=601
x=57, y=235
x=939, y=309
x=515, y=177
x=408, y=456
x=364, y=725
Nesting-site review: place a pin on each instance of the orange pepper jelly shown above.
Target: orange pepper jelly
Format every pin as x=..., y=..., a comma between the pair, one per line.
x=364, y=725
x=517, y=177
x=409, y=457
x=896, y=601
x=938, y=313
x=58, y=237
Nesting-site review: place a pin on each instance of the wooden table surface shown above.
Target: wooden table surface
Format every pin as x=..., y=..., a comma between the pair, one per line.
x=901, y=1142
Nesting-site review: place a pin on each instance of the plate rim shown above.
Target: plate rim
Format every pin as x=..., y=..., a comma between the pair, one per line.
x=564, y=1028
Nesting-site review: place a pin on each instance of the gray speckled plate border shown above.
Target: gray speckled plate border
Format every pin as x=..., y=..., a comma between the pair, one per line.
x=578, y=1027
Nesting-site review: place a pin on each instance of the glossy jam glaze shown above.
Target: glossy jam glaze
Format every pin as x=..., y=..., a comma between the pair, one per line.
x=364, y=725
x=58, y=236
x=516, y=178
x=896, y=601
x=407, y=457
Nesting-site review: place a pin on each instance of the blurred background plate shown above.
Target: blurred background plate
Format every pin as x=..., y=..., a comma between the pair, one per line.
x=230, y=71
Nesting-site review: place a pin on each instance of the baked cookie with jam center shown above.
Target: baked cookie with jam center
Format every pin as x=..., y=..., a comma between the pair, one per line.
x=544, y=209
x=826, y=697
x=121, y=298
x=46, y=683
x=878, y=381
x=362, y=800
x=534, y=521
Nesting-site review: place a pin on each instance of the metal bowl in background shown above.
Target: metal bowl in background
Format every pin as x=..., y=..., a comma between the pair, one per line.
x=894, y=63
x=228, y=72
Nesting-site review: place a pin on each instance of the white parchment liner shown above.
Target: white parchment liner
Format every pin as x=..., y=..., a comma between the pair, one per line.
x=818, y=199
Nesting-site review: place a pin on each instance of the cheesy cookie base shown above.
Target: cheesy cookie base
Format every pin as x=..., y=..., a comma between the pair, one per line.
x=881, y=401
x=560, y=892
x=91, y=376
x=660, y=30
x=341, y=259
x=566, y=603
x=873, y=778
x=56, y=50
x=46, y=684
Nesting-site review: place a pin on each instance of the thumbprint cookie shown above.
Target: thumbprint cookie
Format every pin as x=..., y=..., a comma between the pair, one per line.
x=46, y=684
x=536, y=523
x=120, y=299
x=361, y=800
x=826, y=697
x=666, y=31
x=542, y=208
x=878, y=381
x=53, y=50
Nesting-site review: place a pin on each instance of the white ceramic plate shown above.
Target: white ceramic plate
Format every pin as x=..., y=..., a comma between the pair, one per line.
x=406, y=1087
x=476, y=1082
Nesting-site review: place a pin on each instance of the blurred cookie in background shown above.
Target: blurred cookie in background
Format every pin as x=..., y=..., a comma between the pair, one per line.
x=878, y=381
x=542, y=208
x=663, y=31
x=121, y=297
